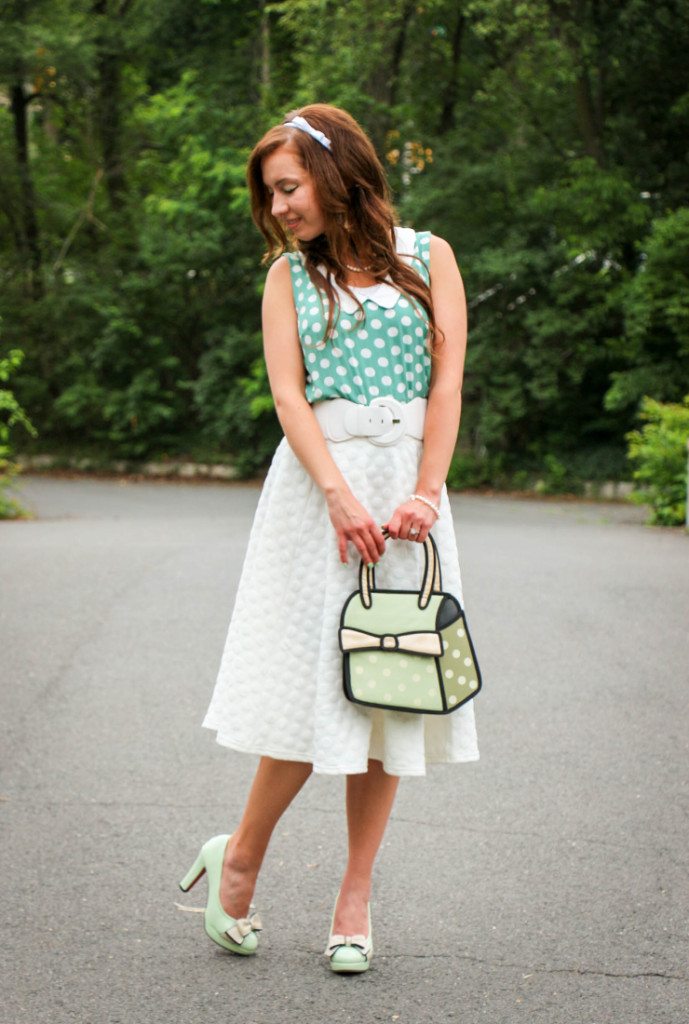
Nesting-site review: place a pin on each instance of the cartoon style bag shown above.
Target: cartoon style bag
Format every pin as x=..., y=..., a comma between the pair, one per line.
x=406, y=650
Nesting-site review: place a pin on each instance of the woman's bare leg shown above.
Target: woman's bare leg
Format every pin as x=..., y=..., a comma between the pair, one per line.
x=370, y=797
x=275, y=786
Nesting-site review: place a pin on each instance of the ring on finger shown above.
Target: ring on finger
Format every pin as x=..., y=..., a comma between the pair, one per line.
x=413, y=531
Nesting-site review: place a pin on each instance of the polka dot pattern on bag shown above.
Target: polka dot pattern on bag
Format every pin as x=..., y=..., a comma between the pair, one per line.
x=460, y=677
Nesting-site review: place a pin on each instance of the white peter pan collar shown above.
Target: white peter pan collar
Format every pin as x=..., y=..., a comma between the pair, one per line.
x=383, y=294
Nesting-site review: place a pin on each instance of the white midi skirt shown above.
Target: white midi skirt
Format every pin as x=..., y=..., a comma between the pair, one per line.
x=279, y=686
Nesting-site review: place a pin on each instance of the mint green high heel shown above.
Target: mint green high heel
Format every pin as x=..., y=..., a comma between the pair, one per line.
x=350, y=954
x=240, y=935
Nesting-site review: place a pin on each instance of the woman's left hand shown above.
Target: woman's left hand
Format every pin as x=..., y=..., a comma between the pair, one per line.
x=411, y=520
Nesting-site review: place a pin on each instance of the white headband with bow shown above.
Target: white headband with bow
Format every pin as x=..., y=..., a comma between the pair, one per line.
x=304, y=126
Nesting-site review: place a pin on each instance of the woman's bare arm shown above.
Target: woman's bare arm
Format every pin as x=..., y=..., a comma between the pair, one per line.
x=286, y=374
x=445, y=393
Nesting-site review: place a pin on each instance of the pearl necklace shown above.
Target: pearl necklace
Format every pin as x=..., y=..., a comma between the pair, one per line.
x=358, y=270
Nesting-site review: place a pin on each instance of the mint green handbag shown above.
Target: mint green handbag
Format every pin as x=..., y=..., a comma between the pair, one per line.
x=407, y=650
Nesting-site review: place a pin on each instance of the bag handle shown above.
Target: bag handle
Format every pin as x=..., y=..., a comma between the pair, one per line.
x=431, y=583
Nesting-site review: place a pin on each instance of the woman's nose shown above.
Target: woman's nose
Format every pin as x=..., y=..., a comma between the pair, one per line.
x=279, y=205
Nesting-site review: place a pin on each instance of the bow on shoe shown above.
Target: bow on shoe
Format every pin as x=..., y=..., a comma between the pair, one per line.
x=335, y=941
x=242, y=926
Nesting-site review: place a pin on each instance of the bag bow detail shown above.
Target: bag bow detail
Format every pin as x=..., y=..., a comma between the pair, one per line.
x=426, y=642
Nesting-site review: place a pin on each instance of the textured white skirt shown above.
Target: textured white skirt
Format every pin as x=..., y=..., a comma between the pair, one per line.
x=279, y=690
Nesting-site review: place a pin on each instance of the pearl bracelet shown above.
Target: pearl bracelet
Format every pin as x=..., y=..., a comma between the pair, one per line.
x=426, y=501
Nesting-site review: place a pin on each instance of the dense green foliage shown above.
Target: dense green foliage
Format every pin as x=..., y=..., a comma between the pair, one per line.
x=547, y=141
x=659, y=453
x=11, y=414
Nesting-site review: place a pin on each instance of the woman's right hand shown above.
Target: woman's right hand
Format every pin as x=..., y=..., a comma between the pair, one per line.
x=353, y=524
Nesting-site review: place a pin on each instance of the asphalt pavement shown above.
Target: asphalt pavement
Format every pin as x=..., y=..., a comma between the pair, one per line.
x=547, y=883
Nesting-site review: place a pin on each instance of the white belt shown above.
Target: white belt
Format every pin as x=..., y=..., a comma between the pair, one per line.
x=383, y=422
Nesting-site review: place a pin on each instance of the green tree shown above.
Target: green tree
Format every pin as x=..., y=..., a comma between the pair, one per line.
x=546, y=141
x=654, y=349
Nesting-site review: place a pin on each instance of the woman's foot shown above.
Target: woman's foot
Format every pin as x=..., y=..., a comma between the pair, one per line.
x=239, y=934
x=238, y=881
x=350, y=943
x=351, y=910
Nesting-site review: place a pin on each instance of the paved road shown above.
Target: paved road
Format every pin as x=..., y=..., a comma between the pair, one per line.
x=546, y=883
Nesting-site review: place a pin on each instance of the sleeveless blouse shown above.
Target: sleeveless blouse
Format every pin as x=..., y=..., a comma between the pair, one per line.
x=385, y=352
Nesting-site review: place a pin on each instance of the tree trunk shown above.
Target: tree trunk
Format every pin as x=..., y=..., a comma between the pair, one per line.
x=265, y=51
x=451, y=94
x=19, y=101
x=383, y=83
x=589, y=110
x=586, y=117
x=398, y=51
x=108, y=105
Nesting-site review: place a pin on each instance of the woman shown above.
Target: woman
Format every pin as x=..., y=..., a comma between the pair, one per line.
x=352, y=319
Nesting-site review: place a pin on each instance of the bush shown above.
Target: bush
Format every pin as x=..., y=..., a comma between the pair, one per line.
x=233, y=402
x=468, y=471
x=599, y=463
x=659, y=450
x=10, y=413
x=557, y=477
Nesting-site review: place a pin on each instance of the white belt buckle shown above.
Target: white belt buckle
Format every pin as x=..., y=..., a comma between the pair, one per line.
x=398, y=425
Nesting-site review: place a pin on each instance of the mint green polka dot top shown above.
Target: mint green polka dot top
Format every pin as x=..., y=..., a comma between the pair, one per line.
x=385, y=353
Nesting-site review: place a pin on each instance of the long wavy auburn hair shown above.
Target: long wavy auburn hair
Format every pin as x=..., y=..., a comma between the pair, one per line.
x=353, y=193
